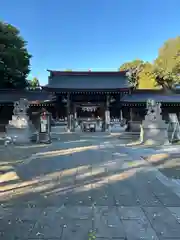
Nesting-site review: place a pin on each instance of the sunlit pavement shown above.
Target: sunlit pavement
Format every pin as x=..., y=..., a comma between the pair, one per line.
x=93, y=188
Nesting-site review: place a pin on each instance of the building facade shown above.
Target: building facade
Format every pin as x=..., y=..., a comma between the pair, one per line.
x=72, y=95
x=89, y=94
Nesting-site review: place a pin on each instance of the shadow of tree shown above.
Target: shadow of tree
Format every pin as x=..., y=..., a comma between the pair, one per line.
x=167, y=163
x=81, y=177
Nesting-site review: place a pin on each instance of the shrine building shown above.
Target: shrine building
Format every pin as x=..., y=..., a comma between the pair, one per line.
x=88, y=94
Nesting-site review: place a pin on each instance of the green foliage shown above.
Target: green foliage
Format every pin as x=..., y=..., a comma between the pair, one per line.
x=92, y=235
x=14, y=58
x=34, y=83
x=166, y=67
x=164, y=72
x=146, y=78
x=133, y=69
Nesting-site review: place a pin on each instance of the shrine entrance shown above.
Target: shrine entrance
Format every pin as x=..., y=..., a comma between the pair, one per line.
x=90, y=114
x=92, y=111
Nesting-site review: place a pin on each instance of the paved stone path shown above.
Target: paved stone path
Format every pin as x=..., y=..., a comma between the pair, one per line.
x=88, y=189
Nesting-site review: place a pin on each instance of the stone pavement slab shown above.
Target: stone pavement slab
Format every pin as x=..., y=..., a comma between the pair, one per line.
x=97, y=189
x=107, y=223
x=163, y=222
x=77, y=229
x=175, y=212
x=131, y=213
x=139, y=229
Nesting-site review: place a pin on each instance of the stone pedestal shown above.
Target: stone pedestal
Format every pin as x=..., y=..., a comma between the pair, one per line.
x=154, y=133
x=154, y=130
x=19, y=135
x=20, y=129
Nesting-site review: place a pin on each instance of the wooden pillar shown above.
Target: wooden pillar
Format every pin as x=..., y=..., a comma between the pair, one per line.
x=120, y=106
x=107, y=114
x=74, y=117
x=68, y=113
x=75, y=112
x=131, y=114
x=121, y=114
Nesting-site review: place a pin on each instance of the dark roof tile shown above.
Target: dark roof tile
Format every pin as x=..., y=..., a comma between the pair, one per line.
x=87, y=73
x=89, y=82
x=9, y=96
x=143, y=97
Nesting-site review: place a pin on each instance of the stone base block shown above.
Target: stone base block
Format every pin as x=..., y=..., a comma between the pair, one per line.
x=19, y=135
x=154, y=136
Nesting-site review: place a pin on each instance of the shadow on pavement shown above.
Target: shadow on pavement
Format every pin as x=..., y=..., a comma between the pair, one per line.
x=48, y=191
x=167, y=163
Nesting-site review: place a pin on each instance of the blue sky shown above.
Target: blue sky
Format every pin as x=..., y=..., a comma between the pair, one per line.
x=91, y=34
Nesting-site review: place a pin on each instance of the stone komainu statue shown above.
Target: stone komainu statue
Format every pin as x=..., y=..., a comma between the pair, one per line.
x=21, y=107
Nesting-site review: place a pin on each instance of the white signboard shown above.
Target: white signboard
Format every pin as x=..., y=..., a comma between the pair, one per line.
x=43, y=125
x=43, y=128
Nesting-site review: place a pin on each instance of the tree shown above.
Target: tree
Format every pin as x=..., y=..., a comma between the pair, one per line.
x=34, y=83
x=146, y=78
x=166, y=67
x=14, y=58
x=133, y=69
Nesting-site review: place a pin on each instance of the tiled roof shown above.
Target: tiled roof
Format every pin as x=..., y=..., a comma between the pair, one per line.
x=87, y=73
x=36, y=96
x=143, y=97
x=89, y=82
